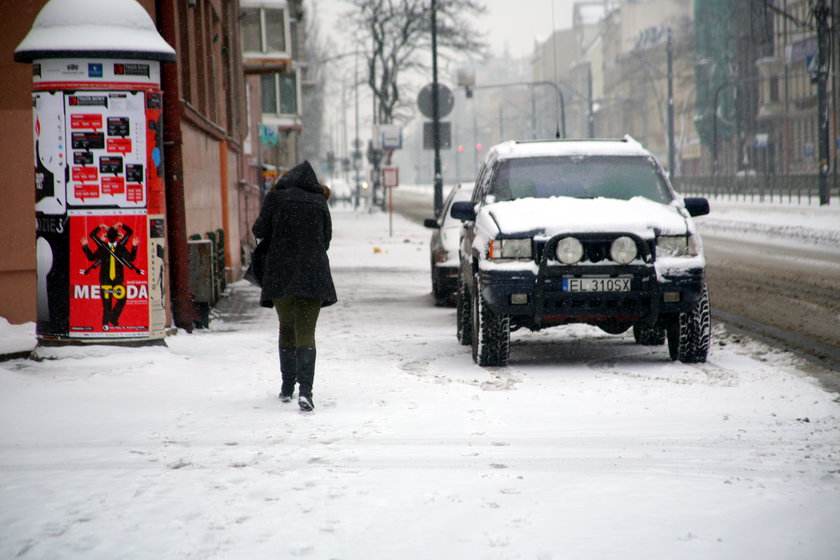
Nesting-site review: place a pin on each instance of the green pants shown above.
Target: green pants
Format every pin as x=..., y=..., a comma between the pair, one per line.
x=298, y=317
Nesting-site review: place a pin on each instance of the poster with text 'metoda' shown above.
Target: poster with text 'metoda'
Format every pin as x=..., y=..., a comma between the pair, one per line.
x=109, y=274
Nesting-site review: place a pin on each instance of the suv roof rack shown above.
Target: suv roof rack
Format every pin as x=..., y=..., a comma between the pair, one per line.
x=627, y=138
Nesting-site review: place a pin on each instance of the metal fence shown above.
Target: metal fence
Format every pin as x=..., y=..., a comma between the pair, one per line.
x=802, y=189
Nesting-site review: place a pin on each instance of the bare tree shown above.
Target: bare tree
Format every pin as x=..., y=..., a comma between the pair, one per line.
x=397, y=37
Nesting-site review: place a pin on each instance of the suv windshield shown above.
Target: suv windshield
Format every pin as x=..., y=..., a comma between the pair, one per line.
x=621, y=177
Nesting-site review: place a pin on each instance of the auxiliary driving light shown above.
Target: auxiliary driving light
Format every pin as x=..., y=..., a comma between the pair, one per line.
x=623, y=250
x=569, y=250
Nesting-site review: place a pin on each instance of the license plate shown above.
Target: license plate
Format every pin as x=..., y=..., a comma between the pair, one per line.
x=621, y=284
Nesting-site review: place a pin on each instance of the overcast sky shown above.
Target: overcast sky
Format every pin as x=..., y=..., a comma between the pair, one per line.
x=512, y=24
x=506, y=24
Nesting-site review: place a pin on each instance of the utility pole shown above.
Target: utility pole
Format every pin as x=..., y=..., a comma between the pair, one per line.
x=436, y=116
x=821, y=15
x=591, y=114
x=357, y=144
x=672, y=170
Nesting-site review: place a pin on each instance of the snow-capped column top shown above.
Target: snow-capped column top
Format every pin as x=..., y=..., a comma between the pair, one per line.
x=98, y=28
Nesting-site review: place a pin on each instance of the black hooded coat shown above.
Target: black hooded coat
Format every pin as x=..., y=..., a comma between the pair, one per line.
x=296, y=219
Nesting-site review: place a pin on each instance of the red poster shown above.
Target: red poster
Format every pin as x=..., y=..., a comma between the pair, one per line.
x=156, y=203
x=109, y=283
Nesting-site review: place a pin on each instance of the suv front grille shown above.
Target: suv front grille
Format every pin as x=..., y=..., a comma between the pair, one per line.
x=595, y=250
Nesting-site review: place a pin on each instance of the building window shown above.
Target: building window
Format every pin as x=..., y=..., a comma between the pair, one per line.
x=269, y=93
x=249, y=21
x=263, y=30
x=288, y=93
x=774, y=89
x=275, y=30
x=279, y=94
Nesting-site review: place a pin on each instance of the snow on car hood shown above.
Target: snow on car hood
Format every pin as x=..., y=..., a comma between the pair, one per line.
x=550, y=216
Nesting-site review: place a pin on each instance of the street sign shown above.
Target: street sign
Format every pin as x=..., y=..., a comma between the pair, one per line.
x=445, y=101
x=445, y=131
x=390, y=136
x=390, y=176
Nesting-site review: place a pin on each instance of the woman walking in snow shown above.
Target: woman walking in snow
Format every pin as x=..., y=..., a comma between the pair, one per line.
x=297, y=281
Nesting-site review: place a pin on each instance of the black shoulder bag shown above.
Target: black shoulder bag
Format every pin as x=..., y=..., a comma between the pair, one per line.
x=256, y=269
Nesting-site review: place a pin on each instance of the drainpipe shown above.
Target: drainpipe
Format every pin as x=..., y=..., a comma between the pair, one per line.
x=183, y=312
x=223, y=171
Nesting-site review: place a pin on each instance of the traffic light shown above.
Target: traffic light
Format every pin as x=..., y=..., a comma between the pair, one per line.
x=478, y=147
x=460, y=148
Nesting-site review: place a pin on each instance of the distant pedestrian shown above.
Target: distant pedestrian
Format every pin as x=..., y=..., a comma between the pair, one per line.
x=297, y=281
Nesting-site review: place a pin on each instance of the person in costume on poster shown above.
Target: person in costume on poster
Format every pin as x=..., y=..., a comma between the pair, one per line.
x=111, y=256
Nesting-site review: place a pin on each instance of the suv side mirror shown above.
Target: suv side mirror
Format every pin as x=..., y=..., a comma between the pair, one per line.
x=431, y=223
x=464, y=211
x=697, y=206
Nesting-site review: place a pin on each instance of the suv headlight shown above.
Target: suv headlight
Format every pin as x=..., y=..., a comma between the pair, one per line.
x=677, y=246
x=511, y=249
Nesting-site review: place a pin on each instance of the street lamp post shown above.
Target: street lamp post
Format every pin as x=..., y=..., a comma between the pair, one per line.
x=436, y=116
x=822, y=14
x=671, y=147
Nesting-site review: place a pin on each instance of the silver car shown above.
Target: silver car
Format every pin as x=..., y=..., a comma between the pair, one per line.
x=444, y=246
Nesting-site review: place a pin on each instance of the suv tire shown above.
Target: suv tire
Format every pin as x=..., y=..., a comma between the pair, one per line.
x=463, y=313
x=490, y=332
x=689, y=335
x=649, y=335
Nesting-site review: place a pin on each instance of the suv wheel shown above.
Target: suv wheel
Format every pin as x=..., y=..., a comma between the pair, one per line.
x=463, y=314
x=649, y=335
x=490, y=332
x=689, y=335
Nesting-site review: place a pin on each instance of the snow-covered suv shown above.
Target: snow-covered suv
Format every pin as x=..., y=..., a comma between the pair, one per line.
x=580, y=231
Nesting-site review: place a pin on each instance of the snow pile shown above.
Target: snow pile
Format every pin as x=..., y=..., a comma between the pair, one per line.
x=16, y=338
x=93, y=25
x=787, y=224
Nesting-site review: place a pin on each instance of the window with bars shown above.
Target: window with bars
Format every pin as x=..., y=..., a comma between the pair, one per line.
x=279, y=94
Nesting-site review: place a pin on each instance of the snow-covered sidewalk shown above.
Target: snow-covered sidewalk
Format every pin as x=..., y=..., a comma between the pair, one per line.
x=781, y=223
x=586, y=446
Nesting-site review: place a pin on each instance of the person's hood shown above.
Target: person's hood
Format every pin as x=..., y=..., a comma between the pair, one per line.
x=301, y=176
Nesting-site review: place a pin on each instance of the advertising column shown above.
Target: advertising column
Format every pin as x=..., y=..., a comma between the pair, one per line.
x=99, y=198
x=99, y=188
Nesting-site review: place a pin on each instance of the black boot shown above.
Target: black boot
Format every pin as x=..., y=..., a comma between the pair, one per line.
x=305, y=376
x=288, y=371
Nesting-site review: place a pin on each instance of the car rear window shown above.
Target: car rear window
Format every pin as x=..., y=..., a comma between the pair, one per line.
x=620, y=177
